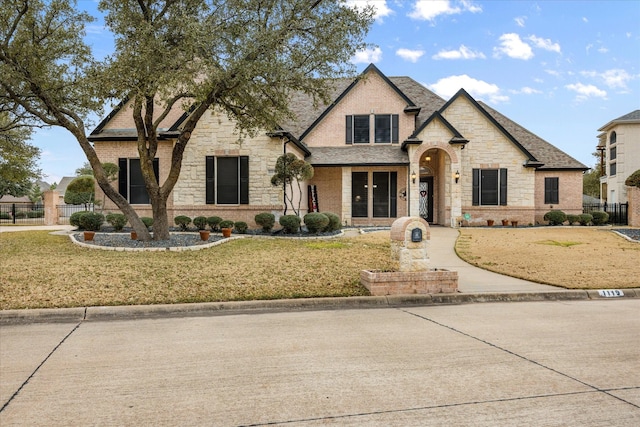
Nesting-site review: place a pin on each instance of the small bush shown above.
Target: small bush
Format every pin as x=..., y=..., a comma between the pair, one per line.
x=117, y=220
x=265, y=220
x=227, y=223
x=91, y=221
x=290, y=223
x=21, y=214
x=572, y=219
x=633, y=180
x=241, y=227
x=334, y=222
x=214, y=222
x=183, y=222
x=599, y=217
x=5, y=215
x=74, y=219
x=316, y=222
x=147, y=221
x=200, y=222
x=585, y=219
x=555, y=217
x=35, y=214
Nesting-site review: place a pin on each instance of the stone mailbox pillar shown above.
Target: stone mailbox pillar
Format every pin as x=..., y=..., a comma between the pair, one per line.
x=409, y=238
x=50, y=198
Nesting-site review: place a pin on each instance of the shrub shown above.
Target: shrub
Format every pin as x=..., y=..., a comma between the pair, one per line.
x=183, y=222
x=74, y=219
x=214, y=222
x=5, y=215
x=35, y=214
x=555, y=217
x=117, y=220
x=316, y=222
x=585, y=219
x=21, y=214
x=290, y=223
x=227, y=223
x=200, y=222
x=241, y=227
x=334, y=222
x=265, y=220
x=633, y=180
x=91, y=221
x=573, y=219
x=147, y=221
x=599, y=217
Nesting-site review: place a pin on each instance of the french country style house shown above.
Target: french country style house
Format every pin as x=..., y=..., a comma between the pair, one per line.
x=384, y=148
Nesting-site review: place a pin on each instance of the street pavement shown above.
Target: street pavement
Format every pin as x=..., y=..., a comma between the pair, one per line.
x=554, y=363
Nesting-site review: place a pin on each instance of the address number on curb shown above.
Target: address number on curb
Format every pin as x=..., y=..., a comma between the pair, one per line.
x=611, y=293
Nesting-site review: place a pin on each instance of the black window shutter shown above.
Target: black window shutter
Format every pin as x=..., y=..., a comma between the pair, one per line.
x=244, y=180
x=476, y=187
x=210, y=180
x=503, y=187
x=349, y=126
x=123, y=173
x=394, y=128
x=393, y=194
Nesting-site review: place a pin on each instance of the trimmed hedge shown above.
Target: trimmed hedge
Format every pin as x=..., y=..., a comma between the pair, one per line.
x=585, y=219
x=200, y=222
x=183, y=222
x=555, y=217
x=316, y=222
x=241, y=227
x=117, y=220
x=334, y=222
x=633, y=180
x=147, y=221
x=91, y=221
x=290, y=223
x=227, y=223
x=599, y=217
x=572, y=219
x=214, y=222
x=265, y=220
x=74, y=219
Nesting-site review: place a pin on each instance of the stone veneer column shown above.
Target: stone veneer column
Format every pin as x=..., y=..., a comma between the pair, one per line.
x=346, y=196
x=50, y=199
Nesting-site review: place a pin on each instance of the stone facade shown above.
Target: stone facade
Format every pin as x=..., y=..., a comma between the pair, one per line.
x=634, y=206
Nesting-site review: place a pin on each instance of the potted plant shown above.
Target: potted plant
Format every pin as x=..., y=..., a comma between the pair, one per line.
x=226, y=226
x=505, y=222
x=490, y=222
x=91, y=222
x=201, y=223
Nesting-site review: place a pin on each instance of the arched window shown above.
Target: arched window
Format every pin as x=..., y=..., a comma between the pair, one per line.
x=612, y=138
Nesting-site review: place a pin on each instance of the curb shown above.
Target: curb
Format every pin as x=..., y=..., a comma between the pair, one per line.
x=133, y=312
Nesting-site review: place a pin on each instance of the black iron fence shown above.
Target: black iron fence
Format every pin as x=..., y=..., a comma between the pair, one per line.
x=618, y=212
x=22, y=213
x=65, y=211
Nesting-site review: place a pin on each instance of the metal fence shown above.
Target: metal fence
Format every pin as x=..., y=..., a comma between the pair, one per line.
x=65, y=211
x=22, y=213
x=618, y=212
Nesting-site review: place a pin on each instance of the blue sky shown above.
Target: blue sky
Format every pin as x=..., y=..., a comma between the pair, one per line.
x=561, y=69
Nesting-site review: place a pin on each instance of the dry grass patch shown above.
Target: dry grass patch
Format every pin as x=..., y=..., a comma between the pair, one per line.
x=575, y=258
x=41, y=270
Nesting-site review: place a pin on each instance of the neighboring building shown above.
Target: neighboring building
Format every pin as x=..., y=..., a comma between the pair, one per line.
x=619, y=142
x=385, y=147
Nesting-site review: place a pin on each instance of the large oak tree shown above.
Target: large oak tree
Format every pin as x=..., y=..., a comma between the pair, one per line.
x=243, y=57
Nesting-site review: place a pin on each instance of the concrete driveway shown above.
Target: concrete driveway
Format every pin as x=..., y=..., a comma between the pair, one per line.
x=562, y=363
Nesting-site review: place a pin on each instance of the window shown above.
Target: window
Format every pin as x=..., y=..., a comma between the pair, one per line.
x=358, y=129
x=551, y=191
x=489, y=187
x=612, y=168
x=384, y=192
x=612, y=138
x=612, y=153
x=386, y=128
x=131, y=183
x=227, y=180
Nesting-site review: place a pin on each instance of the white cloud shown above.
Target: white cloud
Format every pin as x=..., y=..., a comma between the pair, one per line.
x=410, y=55
x=428, y=10
x=526, y=90
x=512, y=46
x=614, y=78
x=586, y=91
x=585, y=19
x=462, y=53
x=520, y=20
x=545, y=44
x=380, y=7
x=553, y=73
x=367, y=56
x=603, y=50
x=448, y=86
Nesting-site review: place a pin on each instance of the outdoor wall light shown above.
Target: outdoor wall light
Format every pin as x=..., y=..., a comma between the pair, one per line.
x=413, y=176
x=457, y=176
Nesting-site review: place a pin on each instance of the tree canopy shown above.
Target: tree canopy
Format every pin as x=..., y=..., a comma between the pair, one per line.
x=243, y=57
x=18, y=159
x=289, y=168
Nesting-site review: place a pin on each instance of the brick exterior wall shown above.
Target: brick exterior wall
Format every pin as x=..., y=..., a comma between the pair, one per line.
x=634, y=206
x=569, y=193
x=405, y=283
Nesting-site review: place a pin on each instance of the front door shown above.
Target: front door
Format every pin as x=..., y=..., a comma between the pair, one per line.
x=426, y=198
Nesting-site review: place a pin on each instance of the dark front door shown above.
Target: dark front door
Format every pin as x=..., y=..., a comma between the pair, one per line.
x=426, y=198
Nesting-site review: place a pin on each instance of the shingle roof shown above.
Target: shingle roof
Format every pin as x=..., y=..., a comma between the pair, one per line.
x=633, y=116
x=352, y=155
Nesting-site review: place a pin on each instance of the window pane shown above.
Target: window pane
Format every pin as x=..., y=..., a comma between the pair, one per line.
x=551, y=191
x=360, y=129
x=612, y=169
x=227, y=178
x=359, y=190
x=383, y=128
x=381, y=194
x=489, y=187
x=137, y=190
x=612, y=153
